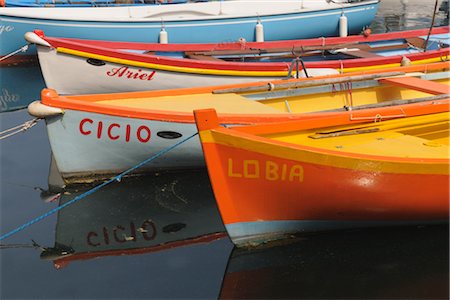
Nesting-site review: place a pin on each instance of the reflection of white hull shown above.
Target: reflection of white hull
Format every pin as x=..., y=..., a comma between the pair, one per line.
x=111, y=150
x=139, y=215
x=69, y=74
x=13, y=95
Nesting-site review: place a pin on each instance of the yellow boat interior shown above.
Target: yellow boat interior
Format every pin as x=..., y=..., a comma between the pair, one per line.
x=424, y=136
x=291, y=97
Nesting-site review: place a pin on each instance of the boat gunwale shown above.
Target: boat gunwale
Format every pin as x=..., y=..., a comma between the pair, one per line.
x=192, y=66
x=10, y=13
x=230, y=134
x=173, y=47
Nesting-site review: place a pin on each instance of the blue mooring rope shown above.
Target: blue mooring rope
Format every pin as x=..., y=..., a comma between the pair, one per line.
x=93, y=190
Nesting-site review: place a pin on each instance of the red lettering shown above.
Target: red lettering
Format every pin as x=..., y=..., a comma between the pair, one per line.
x=119, y=72
x=151, y=75
x=89, y=239
x=127, y=134
x=113, y=137
x=145, y=230
x=135, y=76
x=99, y=129
x=143, y=76
x=139, y=135
x=85, y=132
x=114, y=131
x=124, y=71
x=115, y=234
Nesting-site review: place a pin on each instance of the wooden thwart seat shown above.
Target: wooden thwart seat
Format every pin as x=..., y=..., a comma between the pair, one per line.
x=360, y=53
x=192, y=55
x=418, y=84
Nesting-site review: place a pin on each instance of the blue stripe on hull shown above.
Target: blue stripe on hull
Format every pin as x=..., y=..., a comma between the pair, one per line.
x=281, y=27
x=253, y=233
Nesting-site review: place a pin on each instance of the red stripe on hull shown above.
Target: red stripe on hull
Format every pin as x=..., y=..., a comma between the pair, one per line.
x=102, y=48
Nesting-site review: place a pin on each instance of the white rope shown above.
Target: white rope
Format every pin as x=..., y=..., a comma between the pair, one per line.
x=19, y=128
x=22, y=49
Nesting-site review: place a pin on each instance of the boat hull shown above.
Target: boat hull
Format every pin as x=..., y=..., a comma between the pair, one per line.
x=103, y=145
x=215, y=28
x=85, y=66
x=69, y=74
x=263, y=196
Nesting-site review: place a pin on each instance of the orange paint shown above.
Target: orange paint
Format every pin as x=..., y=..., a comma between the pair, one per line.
x=319, y=192
x=256, y=179
x=418, y=85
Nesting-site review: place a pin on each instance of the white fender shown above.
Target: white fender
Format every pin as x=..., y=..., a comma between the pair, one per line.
x=343, y=27
x=39, y=110
x=259, y=32
x=163, y=36
x=405, y=61
x=33, y=38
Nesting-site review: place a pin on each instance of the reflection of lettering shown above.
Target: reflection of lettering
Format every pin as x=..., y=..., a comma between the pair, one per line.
x=268, y=170
x=6, y=28
x=122, y=234
x=7, y=98
x=125, y=72
x=114, y=131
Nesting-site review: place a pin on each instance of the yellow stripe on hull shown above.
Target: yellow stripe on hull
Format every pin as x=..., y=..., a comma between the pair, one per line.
x=172, y=68
x=377, y=67
x=226, y=72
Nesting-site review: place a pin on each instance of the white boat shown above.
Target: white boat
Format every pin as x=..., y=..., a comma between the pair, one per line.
x=79, y=66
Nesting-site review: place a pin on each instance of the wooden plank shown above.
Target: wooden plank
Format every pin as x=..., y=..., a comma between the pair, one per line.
x=418, y=84
x=416, y=42
x=305, y=83
x=201, y=57
x=393, y=103
x=360, y=53
x=301, y=50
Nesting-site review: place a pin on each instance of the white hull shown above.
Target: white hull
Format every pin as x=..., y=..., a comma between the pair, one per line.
x=211, y=10
x=69, y=74
x=91, y=152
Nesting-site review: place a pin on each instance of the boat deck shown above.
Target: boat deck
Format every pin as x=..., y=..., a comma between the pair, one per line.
x=227, y=103
x=424, y=136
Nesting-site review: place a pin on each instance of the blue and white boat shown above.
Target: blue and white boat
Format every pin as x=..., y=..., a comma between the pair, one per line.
x=206, y=22
x=83, y=3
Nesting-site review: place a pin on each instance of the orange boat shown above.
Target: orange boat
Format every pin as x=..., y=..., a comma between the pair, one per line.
x=327, y=173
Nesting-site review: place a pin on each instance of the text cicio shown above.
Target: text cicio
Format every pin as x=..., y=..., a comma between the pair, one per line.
x=114, y=131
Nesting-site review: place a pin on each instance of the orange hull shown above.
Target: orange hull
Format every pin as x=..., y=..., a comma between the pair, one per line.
x=264, y=192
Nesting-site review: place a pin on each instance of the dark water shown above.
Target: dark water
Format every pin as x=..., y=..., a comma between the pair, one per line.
x=161, y=236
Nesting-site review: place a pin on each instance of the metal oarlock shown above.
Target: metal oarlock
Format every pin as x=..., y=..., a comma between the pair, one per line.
x=295, y=63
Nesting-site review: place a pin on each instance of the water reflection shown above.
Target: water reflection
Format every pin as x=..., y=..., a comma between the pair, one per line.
x=390, y=263
x=20, y=85
x=158, y=213
x=138, y=215
x=395, y=15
